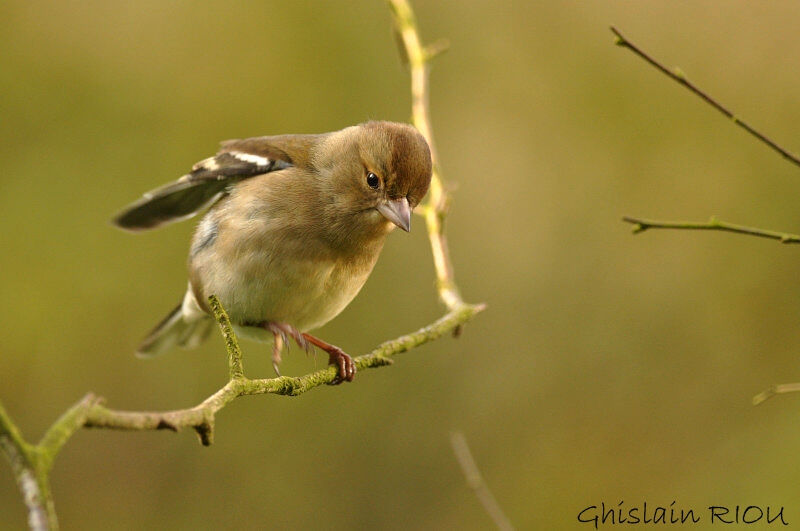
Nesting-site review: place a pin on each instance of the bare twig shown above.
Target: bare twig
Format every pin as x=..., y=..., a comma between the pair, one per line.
x=435, y=208
x=641, y=225
x=777, y=389
x=476, y=483
x=680, y=78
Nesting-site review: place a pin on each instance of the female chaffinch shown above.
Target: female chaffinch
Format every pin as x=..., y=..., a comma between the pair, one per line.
x=295, y=225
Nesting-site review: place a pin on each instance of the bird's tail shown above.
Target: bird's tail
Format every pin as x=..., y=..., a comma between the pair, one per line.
x=176, y=329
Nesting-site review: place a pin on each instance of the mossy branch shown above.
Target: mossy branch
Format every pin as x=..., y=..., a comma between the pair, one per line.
x=32, y=479
x=31, y=464
x=201, y=417
x=235, y=367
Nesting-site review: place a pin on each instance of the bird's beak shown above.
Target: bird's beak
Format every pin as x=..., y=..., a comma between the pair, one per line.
x=398, y=212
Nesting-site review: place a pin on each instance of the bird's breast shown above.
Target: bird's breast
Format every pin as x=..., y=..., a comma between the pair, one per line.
x=260, y=276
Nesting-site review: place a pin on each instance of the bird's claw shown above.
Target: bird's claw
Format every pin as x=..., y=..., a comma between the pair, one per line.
x=346, y=365
x=338, y=357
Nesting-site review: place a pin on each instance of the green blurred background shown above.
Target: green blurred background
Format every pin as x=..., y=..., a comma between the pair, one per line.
x=608, y=367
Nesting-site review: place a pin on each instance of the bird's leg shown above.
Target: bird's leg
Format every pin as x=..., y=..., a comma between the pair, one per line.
x=281, y=332
x=336, y=356
x=277, y=346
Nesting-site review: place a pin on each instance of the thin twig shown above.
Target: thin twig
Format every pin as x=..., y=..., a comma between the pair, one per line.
x=680, y=78
x=641, y=225
x=777, y=389
x=435, y=208
x=476, y=483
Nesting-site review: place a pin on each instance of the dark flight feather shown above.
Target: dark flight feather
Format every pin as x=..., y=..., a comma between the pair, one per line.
x=208, y=181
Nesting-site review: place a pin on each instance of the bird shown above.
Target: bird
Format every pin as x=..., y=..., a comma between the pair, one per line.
x=293, y=227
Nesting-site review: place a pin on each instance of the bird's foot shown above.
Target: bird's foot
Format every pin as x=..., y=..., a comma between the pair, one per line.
x=336, y=356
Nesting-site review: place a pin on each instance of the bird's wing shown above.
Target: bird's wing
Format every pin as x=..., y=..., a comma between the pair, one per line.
x=211, y=178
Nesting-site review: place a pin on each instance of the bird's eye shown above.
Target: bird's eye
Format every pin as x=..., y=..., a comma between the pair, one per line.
x=372, y=180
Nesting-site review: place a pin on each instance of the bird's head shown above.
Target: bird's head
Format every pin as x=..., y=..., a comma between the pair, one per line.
x=380, y=171
x=396, y=164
